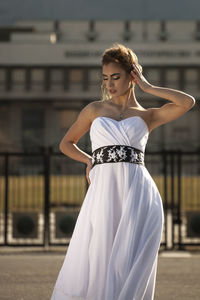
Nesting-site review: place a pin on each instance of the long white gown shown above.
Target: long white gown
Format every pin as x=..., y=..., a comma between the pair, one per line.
x=113, y=251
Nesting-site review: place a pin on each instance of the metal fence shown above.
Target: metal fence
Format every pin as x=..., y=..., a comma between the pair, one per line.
x=41, y=195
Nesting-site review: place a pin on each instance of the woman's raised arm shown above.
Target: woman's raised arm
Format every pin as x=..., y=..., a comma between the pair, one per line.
x=180, y=101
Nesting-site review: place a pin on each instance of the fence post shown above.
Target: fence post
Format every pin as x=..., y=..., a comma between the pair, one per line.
x=172, y=167
x=166, y=208
x=46, y=195
x=179, y=219
x=6, y=199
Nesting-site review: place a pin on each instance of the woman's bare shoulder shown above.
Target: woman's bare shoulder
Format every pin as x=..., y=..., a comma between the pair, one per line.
x=97, y=103
x=94, y=107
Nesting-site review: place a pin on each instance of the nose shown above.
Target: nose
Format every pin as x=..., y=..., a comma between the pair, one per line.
x=110, y=82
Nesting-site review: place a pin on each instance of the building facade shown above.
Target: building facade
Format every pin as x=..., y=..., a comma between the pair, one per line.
x=50, y=70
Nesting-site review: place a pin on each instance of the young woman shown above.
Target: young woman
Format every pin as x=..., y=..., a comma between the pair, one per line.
x=113, y=251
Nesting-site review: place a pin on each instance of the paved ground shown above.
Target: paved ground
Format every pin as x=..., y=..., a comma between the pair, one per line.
x=31, y=274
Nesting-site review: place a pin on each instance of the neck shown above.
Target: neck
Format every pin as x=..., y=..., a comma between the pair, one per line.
x=126, y=100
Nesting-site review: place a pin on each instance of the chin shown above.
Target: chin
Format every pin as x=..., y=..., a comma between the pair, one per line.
x=114, y=95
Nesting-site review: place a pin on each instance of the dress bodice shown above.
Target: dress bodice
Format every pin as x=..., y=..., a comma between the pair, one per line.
x=132, y=131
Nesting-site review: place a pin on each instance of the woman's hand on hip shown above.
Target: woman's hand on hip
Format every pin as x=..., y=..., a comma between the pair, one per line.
x=88, y=168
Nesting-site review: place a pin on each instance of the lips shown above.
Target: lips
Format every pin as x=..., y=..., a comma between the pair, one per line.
x=112, y=91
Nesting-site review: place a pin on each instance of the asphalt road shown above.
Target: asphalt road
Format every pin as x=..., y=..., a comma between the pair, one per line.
x=31, y=275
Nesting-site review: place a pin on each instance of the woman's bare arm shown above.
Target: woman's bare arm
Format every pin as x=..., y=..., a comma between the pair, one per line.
x=180, y=101
x=180, y=104
x=75, y=132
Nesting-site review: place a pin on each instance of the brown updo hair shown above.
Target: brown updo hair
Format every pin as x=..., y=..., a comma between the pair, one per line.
x=121, y=55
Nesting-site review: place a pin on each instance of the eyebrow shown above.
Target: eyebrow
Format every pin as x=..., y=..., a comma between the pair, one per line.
x=112, y=74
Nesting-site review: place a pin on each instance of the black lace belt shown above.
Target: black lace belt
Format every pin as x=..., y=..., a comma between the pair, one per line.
x=117, y=153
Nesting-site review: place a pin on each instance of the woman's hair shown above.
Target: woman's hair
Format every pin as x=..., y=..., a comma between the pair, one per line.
x=121, y=55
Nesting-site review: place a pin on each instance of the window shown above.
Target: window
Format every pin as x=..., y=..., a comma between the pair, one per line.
x=5, y=140
x=75, y=79
x=172, y=78
x=191, y=79
x=67, y=117
x=37, y=79
x=153, y=75
x=2, y=79
x=95, y=79
x=18, y=79
x=182, y=137
x=32, y=128
x=66, y=78
x=56, y=79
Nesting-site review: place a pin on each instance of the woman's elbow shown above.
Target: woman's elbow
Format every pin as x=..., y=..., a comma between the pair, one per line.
x=62, y=146
x=192, y=101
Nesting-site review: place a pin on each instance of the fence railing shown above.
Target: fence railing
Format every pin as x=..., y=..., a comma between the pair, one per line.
x=41, y=195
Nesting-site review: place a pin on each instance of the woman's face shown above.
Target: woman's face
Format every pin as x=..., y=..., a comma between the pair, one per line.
x=116, y=79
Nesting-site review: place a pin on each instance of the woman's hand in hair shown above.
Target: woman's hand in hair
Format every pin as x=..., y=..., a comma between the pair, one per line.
x=139, y=79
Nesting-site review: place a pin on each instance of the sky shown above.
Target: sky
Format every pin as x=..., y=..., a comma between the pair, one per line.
x=14, y=10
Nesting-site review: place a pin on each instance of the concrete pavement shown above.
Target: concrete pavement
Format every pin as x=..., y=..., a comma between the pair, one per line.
x=30, y=274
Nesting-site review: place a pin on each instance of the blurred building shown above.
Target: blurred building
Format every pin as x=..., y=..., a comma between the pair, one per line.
x=49, y=70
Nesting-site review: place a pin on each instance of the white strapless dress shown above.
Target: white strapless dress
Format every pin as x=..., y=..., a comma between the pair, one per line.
x=113, y=251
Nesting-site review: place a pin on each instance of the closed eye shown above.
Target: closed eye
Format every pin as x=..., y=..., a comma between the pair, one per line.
x=115, y=78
